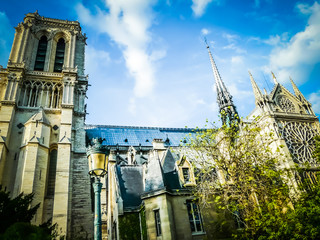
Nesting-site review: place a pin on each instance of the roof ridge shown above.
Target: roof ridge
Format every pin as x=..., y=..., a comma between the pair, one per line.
x=91, y=126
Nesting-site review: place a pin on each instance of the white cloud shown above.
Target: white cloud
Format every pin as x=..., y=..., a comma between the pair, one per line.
x=204, y=31
x=234, y=47
x=314, y=99
x=198, y=7
x=304, y=8
x=237, y=59
x=297, y=56
x=231, y=38
x=277, y=40
x=128, y=23
x=96, y=59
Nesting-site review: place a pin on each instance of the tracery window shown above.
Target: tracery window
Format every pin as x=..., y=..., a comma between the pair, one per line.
x=58, y=63
x=38, y=93
x=41, y=54
x=299, y=139
x=285, y=104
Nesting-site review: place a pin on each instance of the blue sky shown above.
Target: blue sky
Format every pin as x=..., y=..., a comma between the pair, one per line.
x=148, y=64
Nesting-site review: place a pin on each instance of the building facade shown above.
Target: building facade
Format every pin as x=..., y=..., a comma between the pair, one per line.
x=42, y=113
x=147, y=193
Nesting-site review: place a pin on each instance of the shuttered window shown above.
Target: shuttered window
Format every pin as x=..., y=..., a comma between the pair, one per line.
x=41, y=54
x=58, y=63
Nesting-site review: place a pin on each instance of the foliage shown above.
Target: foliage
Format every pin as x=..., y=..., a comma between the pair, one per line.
x=15, y=210
x=241, y=170
x=15, y=217
x=132, y=232
x=143, y=223
x=25, y=231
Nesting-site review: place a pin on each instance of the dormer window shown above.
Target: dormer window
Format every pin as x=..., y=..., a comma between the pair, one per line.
x=41, y=54
x=58, y=63
x=186, y=175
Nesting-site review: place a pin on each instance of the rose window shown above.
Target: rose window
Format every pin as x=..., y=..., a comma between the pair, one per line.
x=285, y=104
x=299, y=139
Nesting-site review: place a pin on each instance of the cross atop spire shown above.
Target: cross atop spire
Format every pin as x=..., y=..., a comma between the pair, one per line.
x=227, y=108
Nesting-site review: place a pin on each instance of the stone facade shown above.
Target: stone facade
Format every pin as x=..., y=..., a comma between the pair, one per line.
x=42, y=112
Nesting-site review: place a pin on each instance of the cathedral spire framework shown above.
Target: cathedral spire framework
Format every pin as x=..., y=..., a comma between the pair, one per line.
x=227, y=108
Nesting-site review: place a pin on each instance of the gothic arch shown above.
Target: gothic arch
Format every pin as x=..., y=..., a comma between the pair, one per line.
x=42, y=32
x=61, y=34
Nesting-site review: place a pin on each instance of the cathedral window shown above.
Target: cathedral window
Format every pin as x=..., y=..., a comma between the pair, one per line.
x=157, y=221
x=52, y=172
x=58, y=63
x=299, y=137
x=41, y=54
x=36, y=94
x=194, y=215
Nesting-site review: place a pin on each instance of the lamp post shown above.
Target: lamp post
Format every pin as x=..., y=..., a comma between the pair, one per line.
x=98, y=161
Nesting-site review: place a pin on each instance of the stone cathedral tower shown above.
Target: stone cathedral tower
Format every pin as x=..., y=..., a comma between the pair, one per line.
x=42, y=113
x=291, y=117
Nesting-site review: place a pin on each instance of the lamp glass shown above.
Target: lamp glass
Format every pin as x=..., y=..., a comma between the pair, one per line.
x=97, y=163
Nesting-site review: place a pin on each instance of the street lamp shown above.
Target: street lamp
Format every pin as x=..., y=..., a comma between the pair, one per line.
x=98, y=161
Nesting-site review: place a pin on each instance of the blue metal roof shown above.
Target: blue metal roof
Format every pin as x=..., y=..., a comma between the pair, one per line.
x=134, y=136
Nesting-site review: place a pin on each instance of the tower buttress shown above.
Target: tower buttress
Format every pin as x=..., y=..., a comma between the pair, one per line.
x=227, y=109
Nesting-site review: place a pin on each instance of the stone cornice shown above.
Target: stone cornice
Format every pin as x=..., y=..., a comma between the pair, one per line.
x=8, y=103
x=45, y=74
x=71, y=106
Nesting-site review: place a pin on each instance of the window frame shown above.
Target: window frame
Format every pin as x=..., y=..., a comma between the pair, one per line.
x=41, y=54
x=196, y=222
x=157, y=219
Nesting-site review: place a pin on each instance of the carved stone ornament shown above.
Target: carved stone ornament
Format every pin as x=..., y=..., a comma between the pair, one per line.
x=299, y=137
x=285, y=104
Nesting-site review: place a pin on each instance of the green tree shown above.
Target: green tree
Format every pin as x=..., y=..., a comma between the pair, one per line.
x=15, y=210
x=242, y=171
x=15, y=217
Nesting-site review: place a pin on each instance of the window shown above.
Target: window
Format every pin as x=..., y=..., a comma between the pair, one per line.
x=41, y=54
x=194, y=217
x=157, y=221
x=52, y=172
x=58, y=63
x=186, y=175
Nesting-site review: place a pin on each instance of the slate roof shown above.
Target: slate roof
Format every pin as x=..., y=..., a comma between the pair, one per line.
x=131, y=185
x=134, y=136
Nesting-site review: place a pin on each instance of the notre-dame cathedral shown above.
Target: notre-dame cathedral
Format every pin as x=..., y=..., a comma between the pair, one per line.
x=146, y=194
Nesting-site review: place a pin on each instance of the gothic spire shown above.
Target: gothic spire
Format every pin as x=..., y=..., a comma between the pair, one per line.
x=256, y=90
x=301, y=97
x=228, y=110
x=295, y=88
x=274, y=78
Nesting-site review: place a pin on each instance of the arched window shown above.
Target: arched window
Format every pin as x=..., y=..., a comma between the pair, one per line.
x=58, y=63
x=41, y=54
x=52, y=172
